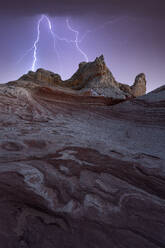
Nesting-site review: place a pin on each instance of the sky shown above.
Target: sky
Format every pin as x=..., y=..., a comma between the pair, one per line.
x=130, y=34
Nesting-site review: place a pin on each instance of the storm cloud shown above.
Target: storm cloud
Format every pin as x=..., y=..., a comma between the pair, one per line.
x=143, y=8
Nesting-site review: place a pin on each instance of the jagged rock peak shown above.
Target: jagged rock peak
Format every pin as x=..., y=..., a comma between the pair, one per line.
x=100, y=60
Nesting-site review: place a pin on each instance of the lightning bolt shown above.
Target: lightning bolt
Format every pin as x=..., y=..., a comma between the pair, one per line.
x=55, y=37
x=77, y=40
x=102, y=26
x=25, y=54
x=36, y=43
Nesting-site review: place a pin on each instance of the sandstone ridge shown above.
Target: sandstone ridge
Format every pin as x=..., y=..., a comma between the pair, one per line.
x=93, y=78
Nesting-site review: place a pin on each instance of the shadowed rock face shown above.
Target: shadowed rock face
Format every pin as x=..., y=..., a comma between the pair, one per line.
x=75, y=172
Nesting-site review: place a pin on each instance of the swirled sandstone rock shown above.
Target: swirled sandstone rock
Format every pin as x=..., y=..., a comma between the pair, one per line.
x=75, y=172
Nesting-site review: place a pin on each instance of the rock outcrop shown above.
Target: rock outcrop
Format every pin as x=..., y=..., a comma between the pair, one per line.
x=139, y=86
x=77, y=173
x=93, y=78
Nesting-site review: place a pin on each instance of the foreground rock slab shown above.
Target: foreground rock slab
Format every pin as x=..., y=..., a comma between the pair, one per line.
x=75, y=172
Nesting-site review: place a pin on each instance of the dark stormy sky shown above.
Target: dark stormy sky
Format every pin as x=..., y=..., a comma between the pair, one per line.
x=130, y=34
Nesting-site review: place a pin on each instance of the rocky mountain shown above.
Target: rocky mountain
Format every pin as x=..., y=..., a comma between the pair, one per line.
x=76, y=171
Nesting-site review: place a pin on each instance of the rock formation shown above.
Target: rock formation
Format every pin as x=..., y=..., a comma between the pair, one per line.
x=93, y=78
x=139, y=86
x=75, y=173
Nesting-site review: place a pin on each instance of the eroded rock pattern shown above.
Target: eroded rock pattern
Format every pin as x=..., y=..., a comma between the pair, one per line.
x=75, y=172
